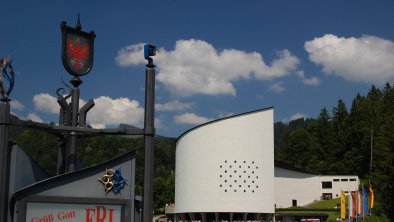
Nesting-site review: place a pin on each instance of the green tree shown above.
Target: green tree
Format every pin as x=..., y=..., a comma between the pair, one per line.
x=281, y=135
x=340, y=129
x=302, y=150
x=357, y=155
x=321, y=130
x=339, y=138
x=383, y=148
x=40, y=146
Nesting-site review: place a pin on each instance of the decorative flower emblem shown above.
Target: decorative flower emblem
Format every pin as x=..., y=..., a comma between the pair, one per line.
x=112, y=180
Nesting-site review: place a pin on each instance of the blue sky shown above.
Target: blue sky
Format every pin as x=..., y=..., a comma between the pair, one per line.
x=215, y=58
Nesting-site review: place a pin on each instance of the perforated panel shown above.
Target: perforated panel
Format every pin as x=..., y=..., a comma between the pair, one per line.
x=239, y=176
x=227, y=166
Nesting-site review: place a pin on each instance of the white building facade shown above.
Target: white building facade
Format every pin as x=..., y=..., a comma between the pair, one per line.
x=293, y=187
x=225, y=169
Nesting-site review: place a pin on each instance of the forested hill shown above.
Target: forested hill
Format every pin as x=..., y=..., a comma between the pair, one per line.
x=338, y=141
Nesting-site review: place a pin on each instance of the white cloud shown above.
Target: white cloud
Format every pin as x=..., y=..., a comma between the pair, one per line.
x=131, y=55
x=295, y=117
x=313, y=81
x=175, y=105
x=196, y=67
x=159, y=124
x=191, y=118
x=366, y=59
x=298, y=116
x=34, y=117
x=46, y=103
x=108, y=111
x=278, y=87
x=16, y=105
x=300, y=74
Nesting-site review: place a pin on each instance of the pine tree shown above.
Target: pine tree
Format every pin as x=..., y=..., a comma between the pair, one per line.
x=321, y=129
x=340, y=130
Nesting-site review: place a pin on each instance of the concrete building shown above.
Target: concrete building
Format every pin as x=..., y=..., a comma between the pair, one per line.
x=225, y=171
x=294, y=187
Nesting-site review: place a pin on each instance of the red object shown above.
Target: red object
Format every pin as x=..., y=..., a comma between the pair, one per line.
x=354, y=204
x=77, y=49
x=78, y=54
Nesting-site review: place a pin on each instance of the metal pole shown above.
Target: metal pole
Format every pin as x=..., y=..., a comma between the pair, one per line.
x=4, y=159
x=61, y=154
x=71, y=154
x=149, y=143
x=64, y=120
x=61, y=146
x=370, y=168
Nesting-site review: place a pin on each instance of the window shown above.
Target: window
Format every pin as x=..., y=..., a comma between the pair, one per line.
x=294, y=203
x=336, y=180
x=344, y=179
x=352, y=179
x=327, y=196
x=326, y=184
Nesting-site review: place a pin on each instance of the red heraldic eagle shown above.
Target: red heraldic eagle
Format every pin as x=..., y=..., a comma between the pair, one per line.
x=77, y=54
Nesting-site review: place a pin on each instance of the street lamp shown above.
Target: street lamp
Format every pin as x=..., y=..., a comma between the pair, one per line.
x=6, y=74
x=149, y=133
x=77, y=58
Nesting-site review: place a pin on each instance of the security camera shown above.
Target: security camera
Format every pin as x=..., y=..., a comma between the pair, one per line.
x=149, y=50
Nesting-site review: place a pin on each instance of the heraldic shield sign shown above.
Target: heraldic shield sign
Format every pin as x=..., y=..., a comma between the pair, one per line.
x=77, y=49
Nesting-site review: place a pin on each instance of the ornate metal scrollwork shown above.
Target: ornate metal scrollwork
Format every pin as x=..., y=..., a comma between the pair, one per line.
x=7, y=73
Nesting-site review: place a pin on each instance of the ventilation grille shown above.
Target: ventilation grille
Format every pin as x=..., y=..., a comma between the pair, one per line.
x=239, y=176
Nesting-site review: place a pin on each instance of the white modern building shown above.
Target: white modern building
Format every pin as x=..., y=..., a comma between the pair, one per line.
x=225, y=170
x=294, y=187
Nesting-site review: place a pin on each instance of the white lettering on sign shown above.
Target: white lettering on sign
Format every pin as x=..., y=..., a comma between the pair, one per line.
x=64, y=212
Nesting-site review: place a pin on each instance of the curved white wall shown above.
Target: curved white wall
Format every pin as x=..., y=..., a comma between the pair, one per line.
x=227, y=165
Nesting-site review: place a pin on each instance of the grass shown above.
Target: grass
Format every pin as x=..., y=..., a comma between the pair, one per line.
x=326, y=204
x=329, y=204
x=330, y=207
